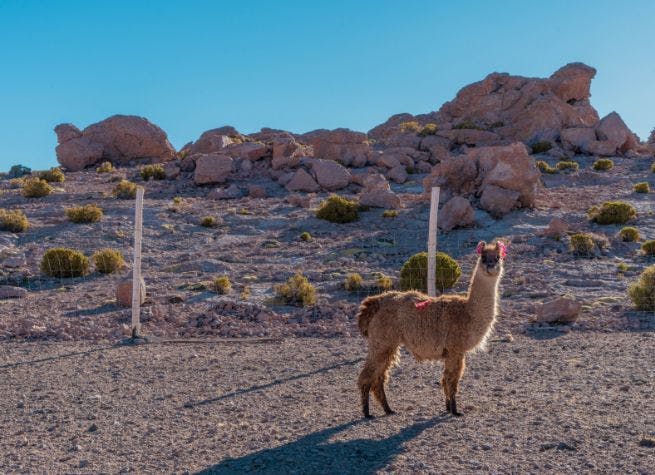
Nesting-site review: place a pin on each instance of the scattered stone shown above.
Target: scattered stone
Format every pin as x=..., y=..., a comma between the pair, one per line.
x=11, y=292
x=560, y=310
x=398, y=174
x=556, y=228
x=341, y=145
x=256, y=191
x=230, y=193
x=380, y=198
x=498, y=201
x=124, y=291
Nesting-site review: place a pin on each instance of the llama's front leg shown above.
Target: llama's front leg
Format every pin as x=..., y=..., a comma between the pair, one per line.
x=452, y=373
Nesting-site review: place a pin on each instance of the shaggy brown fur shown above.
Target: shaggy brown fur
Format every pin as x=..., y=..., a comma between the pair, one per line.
x=448, y=328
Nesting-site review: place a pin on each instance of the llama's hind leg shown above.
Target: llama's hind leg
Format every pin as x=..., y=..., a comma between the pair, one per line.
x=365, y=382
x=453, y=371
x=373, y=377
x=387, y=358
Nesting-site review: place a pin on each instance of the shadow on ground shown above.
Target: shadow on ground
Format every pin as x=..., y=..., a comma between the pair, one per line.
x=314, y=453
x=276, y=382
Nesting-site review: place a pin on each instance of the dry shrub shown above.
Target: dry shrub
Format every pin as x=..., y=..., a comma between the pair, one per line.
x=36, y=188
x=222, y=284
x=125, y=190
x=642, y=292
x=84, y=214
x=13, y=221
x=337, y=209
x=353, y=282
x=64, y=262
x=297, y=291
x=108, y=260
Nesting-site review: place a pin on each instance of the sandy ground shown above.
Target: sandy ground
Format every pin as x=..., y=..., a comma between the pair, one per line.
x=580, y=402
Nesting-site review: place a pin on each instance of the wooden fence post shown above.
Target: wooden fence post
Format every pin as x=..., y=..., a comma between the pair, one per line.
x=432, y=241
x=136, y=266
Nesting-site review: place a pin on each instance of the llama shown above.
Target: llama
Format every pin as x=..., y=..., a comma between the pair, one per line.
x=441, y=328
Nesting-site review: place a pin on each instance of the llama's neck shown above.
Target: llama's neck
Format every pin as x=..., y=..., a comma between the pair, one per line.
x=482, y=299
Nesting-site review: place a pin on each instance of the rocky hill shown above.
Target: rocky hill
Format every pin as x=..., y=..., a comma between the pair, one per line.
x=515, y=158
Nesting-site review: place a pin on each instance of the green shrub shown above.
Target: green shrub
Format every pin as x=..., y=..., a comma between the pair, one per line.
x=649, y=248
x=353, y=282
x=413, y=274
x=467, y=124
x=108, y=260
x=622, y=267
x=13, y=221
x=306, y=237
x=222, y=285
x=545, y=168
x=582, y=244
x=208, y=222
x=125, y=190
x=642, y=187
x=18, y=171
x=337, y=209
x=54, y=175
x=390, y=213
x=36, y=188
x=613, y=212
x=153, y=171
x=177, y=200
x=603, y=164
x=541, y=147
x=497, y=124
x=629, y=234
x=297, y=291
x=428, y=129
x=384, y=282
x=105, y=167
x=642, y=292
x=411, y=126
x=63, y=262
x=84, y=214
x=567, y=165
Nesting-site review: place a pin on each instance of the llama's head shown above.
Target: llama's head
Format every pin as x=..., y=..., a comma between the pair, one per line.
x=491, y=258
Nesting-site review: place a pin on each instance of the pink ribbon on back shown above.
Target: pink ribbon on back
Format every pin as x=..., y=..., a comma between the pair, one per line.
x=422, y=305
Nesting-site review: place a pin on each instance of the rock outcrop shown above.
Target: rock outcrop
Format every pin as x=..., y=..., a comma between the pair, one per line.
x=342, y=145
x=504, y=177
x=212, y=168
x=120, y=139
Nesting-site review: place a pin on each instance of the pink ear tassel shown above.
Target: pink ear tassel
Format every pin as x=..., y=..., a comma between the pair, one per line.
x=503, y=249
x=479, y=248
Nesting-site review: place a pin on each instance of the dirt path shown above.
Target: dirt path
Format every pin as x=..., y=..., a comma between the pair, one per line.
x=581, y=402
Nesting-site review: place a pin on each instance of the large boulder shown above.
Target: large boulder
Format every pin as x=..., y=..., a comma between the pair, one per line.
x=78, y=153
x=341, y=145
x=126, y=137
x=211, y=141
x=572, y=82
x=498, y=201
x=455, y=175
x=330, y=175
x=247, y=150
x=509, y=167
x=456, y=213
x=212, y=168
x=302, y=181
x=120, y=138
x=577, y=138
x=612, y=130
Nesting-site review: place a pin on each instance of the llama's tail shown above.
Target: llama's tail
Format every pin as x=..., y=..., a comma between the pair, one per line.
x=367, y=311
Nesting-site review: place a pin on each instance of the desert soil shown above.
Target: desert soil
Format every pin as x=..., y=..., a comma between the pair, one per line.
x=552, y=402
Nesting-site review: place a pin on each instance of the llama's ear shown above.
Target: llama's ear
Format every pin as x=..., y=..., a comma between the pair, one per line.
x=502, y=248
x=481, y=245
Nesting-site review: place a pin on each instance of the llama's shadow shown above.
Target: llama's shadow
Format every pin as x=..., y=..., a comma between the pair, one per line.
x=315, y=454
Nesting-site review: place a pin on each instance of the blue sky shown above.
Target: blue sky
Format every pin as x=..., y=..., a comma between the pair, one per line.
x=190, y=66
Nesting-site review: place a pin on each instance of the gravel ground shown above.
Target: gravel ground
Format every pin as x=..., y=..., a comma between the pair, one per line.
x=561, y=403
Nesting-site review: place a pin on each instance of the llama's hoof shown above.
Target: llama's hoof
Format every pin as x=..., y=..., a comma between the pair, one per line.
x=390, y=412
x=368, y=416
x=457, y=414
